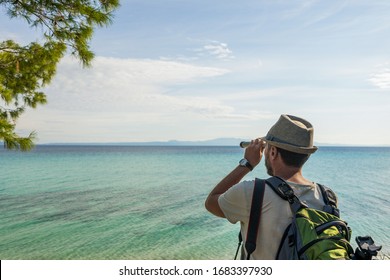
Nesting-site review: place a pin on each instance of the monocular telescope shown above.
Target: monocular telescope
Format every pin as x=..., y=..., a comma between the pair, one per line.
x=245, y=144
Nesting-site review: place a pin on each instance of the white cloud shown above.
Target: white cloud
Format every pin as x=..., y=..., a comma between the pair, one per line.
x=220, y=50
x=381, y=78
x=117, y=95
x=216, y=49
x=121, y=84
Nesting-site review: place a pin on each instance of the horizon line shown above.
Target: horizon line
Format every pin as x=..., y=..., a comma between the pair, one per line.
x=173, y=143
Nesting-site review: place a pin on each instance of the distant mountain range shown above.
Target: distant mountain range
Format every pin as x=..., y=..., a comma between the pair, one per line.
x=212, y=142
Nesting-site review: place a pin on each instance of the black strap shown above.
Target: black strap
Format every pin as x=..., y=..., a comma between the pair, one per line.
x=254, y=218
x=239, y=244
x=330, y=200
x=284, y=190
x=280, y=187
x=328, y=195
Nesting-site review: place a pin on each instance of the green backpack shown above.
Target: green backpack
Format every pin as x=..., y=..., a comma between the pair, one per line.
x=312, y=235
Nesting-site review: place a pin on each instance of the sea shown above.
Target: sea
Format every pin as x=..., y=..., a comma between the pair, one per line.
x=114, y=202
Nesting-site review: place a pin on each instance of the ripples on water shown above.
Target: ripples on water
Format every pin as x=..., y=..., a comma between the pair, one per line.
x=69, y=202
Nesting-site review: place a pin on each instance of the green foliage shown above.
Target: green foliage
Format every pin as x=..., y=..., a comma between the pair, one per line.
x=25, y=70
x=12, y=140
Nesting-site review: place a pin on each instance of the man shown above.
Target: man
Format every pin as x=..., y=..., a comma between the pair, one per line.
x=286, y=147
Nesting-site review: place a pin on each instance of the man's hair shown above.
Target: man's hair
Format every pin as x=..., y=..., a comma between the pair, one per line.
x=293, y=159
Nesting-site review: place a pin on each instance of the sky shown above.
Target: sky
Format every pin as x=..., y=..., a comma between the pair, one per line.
x=198, y=70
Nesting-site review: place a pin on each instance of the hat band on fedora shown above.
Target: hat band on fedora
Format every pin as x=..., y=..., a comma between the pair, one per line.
x=276, y=139
x=288, y=146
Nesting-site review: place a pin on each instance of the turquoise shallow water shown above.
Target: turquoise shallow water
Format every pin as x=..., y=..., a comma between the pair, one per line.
x=122, y=202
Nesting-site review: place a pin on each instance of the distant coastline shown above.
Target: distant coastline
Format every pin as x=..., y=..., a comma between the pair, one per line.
x=231, y=142
x=212, y=142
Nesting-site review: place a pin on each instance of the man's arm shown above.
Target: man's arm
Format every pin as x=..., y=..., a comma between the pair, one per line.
x=230, y=180
x=253, y=153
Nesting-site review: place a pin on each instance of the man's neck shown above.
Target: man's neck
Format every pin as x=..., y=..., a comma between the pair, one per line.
x=293, y=175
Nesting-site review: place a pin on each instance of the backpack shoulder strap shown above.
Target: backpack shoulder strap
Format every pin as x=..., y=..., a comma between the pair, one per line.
x=330, y=200
x=254, y=218
x=329, y=196
x=284, y=190
x=280, y=187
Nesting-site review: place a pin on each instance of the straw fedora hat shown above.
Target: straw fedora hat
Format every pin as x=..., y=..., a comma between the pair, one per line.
x=293, y=134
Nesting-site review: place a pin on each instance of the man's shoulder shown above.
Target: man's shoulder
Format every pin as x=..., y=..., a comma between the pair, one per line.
x=245, y=184
x=240, y=191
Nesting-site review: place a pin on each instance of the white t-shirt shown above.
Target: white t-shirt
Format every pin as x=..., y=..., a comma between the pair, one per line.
x=275, y=217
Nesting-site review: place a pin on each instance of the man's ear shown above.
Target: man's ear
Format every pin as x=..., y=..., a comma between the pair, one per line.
x=273, y=152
